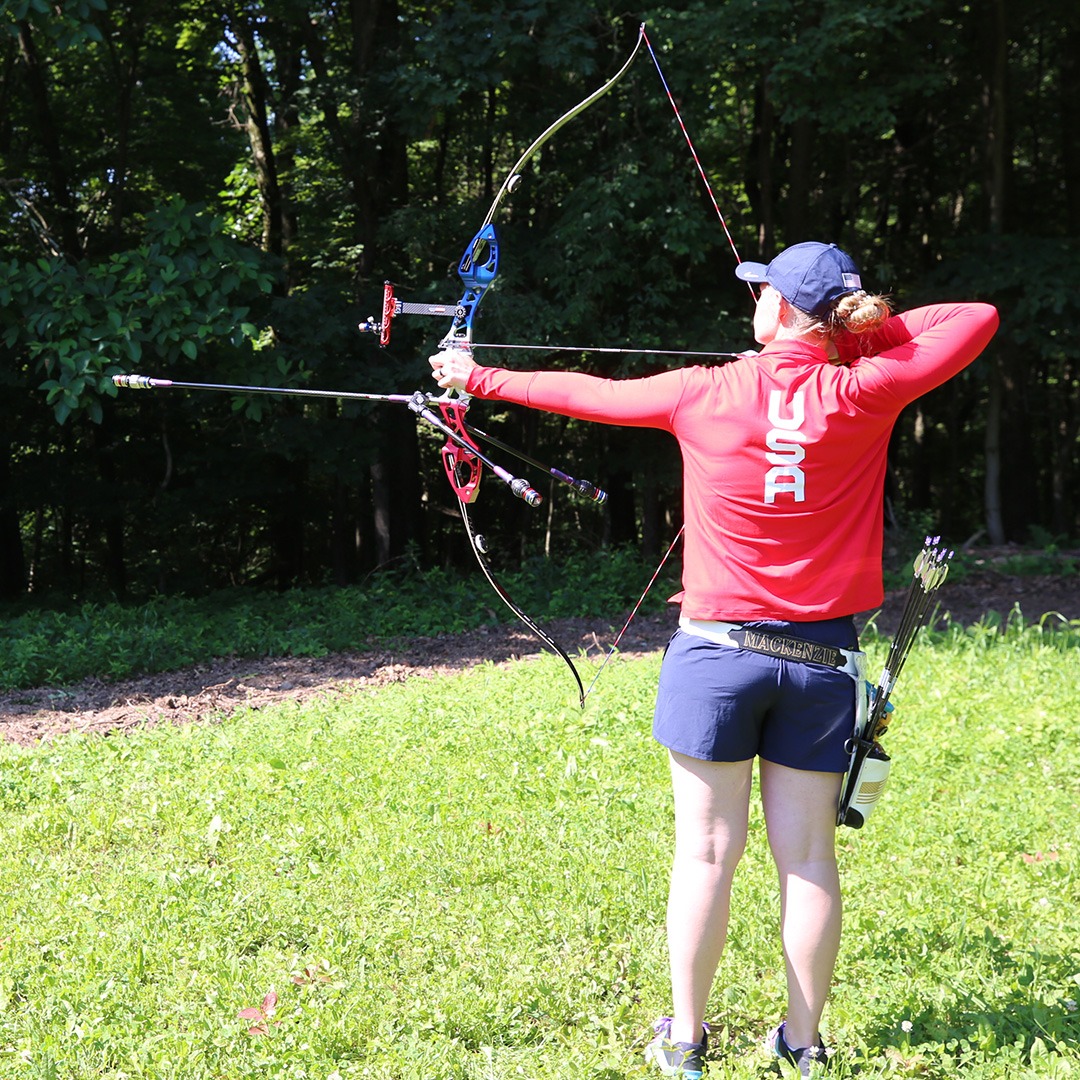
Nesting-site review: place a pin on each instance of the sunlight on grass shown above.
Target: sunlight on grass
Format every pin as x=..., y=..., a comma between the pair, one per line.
x=465, y=877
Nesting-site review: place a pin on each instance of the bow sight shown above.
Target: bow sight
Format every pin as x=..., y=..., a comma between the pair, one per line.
x=477, y=270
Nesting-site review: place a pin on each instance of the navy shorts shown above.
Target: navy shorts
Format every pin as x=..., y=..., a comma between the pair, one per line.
x=719, y=703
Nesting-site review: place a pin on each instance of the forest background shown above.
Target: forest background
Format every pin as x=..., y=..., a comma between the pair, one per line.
x=210, y=191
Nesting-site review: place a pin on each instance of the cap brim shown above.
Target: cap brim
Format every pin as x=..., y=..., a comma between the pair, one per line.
x=751, y=271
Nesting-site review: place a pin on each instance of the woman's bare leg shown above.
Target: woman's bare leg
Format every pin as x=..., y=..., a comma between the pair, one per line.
x=800, y=812
x=711, y=814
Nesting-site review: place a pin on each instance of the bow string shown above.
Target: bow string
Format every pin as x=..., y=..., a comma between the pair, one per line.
x=478, y=269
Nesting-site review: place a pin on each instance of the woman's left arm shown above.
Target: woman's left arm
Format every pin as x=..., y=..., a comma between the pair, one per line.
x=920, y=349
x=645, y=402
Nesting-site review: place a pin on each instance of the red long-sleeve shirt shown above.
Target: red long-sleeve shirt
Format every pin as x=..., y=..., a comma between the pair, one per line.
x=783, y=454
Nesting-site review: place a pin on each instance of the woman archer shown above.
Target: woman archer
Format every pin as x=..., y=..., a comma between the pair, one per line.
x=784, y=459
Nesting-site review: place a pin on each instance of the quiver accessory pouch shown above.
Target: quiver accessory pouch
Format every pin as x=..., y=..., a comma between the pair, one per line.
x=870, y=765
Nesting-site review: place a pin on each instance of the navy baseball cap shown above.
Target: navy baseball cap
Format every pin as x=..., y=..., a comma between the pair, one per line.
x=811, y=276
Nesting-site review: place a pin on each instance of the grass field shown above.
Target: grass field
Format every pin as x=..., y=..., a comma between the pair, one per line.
x=465, y=878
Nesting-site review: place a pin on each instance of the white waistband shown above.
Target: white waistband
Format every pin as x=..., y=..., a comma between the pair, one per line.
x=712, y=631
x=720, y=634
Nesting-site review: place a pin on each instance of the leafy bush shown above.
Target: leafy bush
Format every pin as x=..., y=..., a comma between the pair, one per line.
x=114, y=641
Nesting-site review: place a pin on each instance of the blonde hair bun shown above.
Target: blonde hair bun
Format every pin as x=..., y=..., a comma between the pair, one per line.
x=860, y=312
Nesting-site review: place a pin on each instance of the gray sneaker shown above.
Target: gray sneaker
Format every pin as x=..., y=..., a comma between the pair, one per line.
x=809, y=1060
x=679, y=1059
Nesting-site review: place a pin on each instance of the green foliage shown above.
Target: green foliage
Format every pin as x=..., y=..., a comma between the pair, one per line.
x=1028, y=563
x=793, y=45
x=361, y=150
x=464, y=879
x=67, y=24
x=184, y=287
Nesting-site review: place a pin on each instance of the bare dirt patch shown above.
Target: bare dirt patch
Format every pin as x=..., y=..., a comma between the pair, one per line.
x=215, y=690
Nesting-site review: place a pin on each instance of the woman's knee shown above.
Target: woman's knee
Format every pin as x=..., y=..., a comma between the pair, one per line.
x=712, y=806
x=718, y=849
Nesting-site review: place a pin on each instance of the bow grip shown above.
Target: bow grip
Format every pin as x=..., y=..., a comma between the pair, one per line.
x=463, y=470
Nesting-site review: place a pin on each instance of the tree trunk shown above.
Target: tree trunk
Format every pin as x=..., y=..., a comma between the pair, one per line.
x=797, y=200
x=759, y=186
x=650, y=517
x=66, y=228
x=254, y=93
x=997, y=166
x=287, y=526
x=1063, y=429
x=380, y=511
x=995, y=526
x=1069, y=106
x=109, y=513
x=12, y=559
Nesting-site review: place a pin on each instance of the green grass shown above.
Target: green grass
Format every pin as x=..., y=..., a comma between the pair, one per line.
x=59, y=645
x=465, y=878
